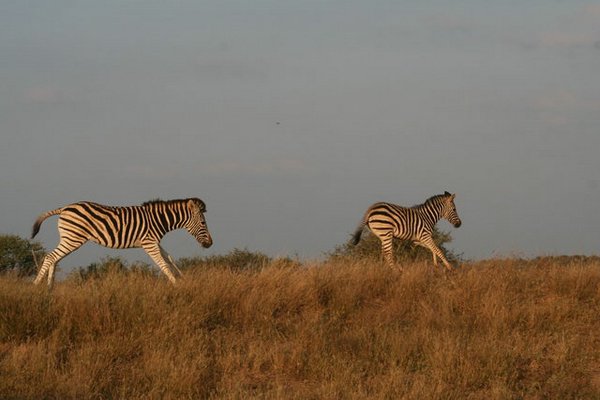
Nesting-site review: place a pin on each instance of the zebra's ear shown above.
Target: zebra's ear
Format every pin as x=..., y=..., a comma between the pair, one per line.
x=196, y=204
x=446, y=193
x=191, y=204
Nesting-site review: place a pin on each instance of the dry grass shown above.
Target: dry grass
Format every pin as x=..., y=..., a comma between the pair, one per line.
x=496, y=329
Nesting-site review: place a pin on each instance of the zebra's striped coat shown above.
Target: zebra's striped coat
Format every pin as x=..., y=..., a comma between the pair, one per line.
x=124, y=227
x=388, y=221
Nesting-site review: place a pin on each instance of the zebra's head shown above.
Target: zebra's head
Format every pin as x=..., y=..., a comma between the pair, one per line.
x=449, y=210
x=196, y=225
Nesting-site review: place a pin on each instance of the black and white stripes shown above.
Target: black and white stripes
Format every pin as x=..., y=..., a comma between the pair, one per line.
x=415, y=223
x=144, y=226
x=124, y=227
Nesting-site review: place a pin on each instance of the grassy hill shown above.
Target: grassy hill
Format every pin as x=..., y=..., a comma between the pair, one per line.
x=494, y=329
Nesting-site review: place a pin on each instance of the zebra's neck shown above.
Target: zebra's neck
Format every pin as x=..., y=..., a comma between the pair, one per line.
x=168, y=216
x=430, y=211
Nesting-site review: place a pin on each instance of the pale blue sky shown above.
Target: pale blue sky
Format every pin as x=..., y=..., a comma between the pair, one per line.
x=124, y=101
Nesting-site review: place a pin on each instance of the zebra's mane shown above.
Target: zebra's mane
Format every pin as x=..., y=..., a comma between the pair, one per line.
x=169, y=202
x=432, y=199
x=160, y=201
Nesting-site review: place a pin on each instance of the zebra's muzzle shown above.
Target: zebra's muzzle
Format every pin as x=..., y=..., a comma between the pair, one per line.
x=206, y=243
x=458, y=224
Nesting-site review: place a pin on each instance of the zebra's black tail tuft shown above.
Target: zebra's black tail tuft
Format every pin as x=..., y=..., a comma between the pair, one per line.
x=36, y=228
x=40, y=219
x=357, y=234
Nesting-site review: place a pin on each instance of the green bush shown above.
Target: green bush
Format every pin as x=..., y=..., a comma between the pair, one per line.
x=369, y=248
x=236, y=260
x=17, y=254
x=110, y=266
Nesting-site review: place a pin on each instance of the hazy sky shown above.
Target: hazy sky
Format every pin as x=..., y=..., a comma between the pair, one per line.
x=289, y=118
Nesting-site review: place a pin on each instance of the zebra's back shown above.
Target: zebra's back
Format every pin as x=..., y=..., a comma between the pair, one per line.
x=109, y=226
x=403, y=222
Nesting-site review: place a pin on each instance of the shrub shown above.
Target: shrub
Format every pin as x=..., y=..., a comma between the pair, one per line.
x=369, y=248
x=17, y=254
x=236, y=260
x=110, y=266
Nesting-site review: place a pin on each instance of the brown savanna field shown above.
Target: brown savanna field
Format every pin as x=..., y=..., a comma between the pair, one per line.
x=493, y=329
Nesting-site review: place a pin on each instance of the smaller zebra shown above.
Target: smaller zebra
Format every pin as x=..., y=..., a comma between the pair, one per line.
x=388, y=221
x=123, y=228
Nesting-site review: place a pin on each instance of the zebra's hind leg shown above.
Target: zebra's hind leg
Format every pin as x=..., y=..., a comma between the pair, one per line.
x=49, y=264
x=387, y=250
x=154, y=251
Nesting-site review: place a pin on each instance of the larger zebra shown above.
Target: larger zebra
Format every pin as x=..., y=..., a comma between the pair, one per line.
x=124, y=227
x=415, y=223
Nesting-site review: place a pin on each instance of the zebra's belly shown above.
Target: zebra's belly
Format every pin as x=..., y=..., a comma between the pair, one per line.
x=117, y=244
x=404, y=235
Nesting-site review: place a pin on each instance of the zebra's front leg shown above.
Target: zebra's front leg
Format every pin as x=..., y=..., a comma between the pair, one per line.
x=153, y=249
x=417, y=243
x=171, y=262
x=436, y=252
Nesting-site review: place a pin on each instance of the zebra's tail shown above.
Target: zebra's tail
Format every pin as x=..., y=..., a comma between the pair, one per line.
x=41, y=218
x=358, y=232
